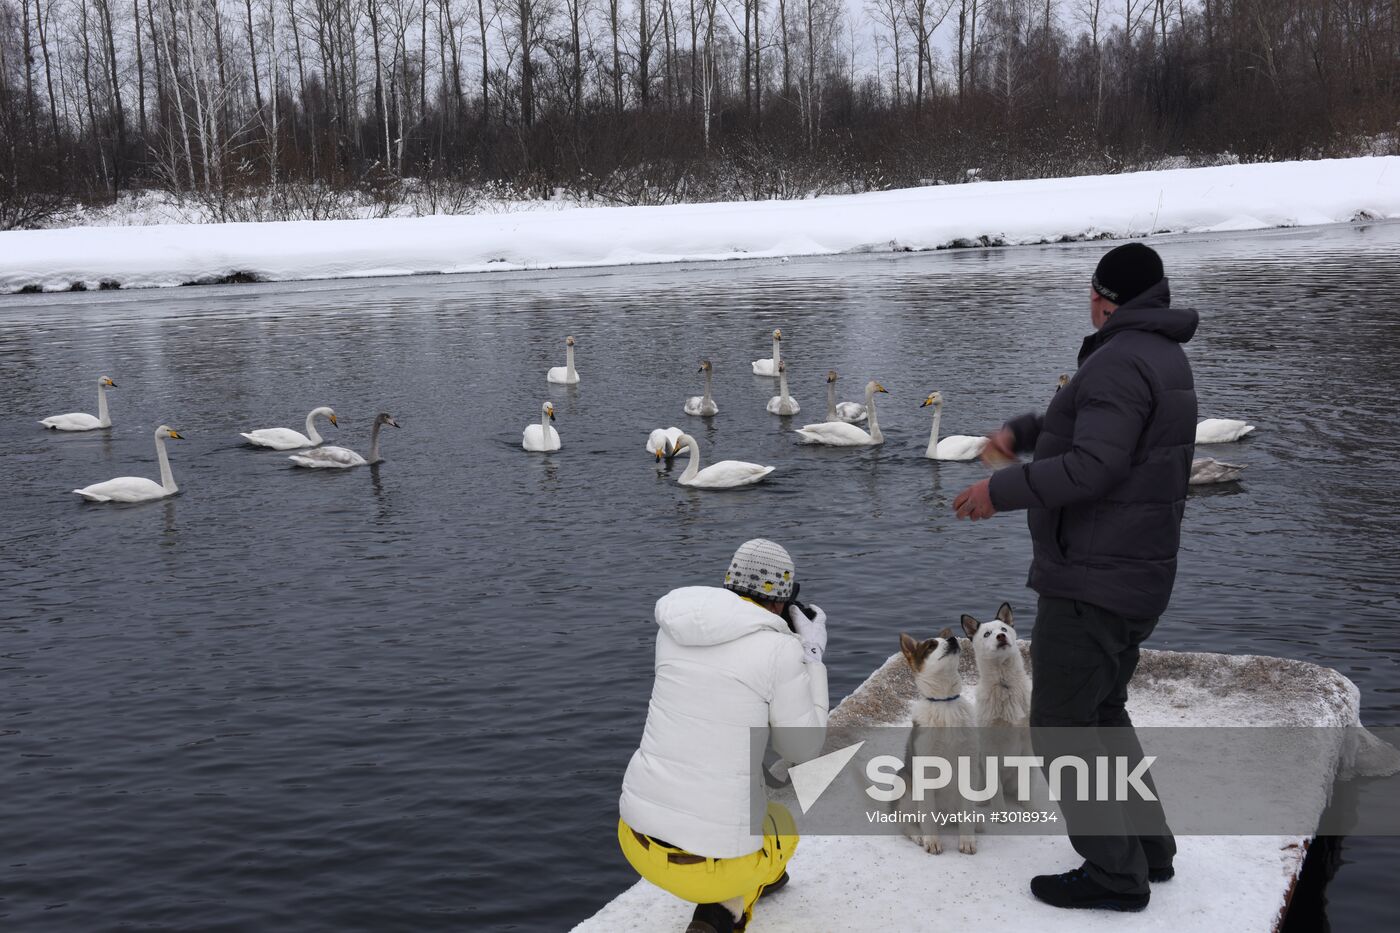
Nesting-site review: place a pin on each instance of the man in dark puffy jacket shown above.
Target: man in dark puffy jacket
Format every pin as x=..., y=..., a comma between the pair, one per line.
x=1105, y=496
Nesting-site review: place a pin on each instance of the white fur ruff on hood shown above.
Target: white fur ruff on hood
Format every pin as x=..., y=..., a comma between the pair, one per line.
x=724, y=666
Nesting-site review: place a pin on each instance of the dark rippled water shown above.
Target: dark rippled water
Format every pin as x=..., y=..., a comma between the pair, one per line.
x=402, y=698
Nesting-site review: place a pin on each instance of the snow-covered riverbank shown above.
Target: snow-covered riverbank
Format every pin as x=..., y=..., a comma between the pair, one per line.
x=1233, y=197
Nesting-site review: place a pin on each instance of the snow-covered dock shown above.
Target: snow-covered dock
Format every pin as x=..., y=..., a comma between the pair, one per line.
x=883, y=883
x=1233, y=197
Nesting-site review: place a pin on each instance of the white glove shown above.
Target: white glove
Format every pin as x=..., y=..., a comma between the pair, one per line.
x=812, y=632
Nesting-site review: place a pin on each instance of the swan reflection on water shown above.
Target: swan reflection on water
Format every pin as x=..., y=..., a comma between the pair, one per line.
x=1220, y=489
x=170, y=532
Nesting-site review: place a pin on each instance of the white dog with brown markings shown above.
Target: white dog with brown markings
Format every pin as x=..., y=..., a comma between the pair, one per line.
x=943, y=718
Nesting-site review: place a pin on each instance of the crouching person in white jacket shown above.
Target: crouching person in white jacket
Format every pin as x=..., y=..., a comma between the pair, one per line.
x=727, y=661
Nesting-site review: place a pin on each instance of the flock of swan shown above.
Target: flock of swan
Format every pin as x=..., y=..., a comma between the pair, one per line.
x=311, y=450
x=842, y=427
x=847, y=424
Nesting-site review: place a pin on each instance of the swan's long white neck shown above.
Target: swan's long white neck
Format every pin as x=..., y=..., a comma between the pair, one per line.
x=311, y=428
x=102, y=416
x=374, y=441
x=782, y=388
x=167, y=478
x=933, y=434
x=569, y=361
x=692, y=466
x=544, y=424
x=873, y=421
x=777, y=352
x=708, y=374
x=831, y=402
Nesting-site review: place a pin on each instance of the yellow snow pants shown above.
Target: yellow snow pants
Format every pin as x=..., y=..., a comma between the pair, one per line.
x=703, y=880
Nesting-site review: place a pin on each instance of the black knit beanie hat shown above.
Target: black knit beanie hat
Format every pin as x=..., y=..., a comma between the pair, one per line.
x=1127, y=271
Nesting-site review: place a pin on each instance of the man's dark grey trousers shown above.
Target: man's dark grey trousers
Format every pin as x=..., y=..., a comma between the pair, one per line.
x=1082, y=658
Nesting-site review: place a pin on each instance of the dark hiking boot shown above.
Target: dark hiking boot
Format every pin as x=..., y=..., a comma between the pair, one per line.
x=775, y=886
x=711, y=918
x=1159, y=875
x=1076, y=890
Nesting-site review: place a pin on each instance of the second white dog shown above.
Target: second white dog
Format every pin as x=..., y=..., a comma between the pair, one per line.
x=1003, y=694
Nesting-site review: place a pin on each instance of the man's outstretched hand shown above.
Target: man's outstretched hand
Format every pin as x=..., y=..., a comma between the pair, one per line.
x=975, y=501
x=1000, y=449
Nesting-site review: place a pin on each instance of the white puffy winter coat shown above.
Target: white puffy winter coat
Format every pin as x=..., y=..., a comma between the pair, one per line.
x=724, y=665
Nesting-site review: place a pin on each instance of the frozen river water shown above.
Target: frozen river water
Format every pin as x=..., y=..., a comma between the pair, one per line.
x=403, y=697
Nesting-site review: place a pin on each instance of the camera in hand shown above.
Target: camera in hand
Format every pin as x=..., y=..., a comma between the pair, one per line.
x=793, y=601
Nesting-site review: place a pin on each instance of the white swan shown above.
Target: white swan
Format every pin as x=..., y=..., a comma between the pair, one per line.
x=542, y=438
x=727, y=474
x=770, y=367
x=138, y=488
x=565, y=375
x=286, y=438
x=342, y=458
x=852, y=412
x=845, y=434
x=82, y=421
x=703, y=405
x=1221, y=430
x=664, y=442
x=782, y=403
x=955, y=446
x=1206, y=471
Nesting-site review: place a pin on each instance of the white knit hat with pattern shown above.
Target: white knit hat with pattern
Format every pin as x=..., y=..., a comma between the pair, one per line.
x=762, y=569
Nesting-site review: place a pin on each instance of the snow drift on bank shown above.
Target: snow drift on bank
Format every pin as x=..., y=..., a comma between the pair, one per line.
x=1232, y=197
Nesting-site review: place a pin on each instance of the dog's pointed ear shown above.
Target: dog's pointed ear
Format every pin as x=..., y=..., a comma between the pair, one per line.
x=916, y=652
x=969, y=625
x=1004, y=614
x=946, y=633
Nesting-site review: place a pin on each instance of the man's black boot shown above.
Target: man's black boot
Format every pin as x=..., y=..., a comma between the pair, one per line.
x=1075, y=889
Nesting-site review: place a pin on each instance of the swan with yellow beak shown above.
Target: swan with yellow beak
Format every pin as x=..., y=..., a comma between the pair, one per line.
x=843, y=434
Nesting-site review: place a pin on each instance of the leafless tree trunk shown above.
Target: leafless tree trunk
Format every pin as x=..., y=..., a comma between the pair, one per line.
x=783, y=45
x=140, y=67
x=168, y=30
x=253, y=56
x=707, y=70
x=644, y=50
x=668, y=52
x=41, y=28
x=695, y=56
x=616, y=54
x=28, y=53
x=485, y=64
x=109, y=55
x=889, y=14
x=381, y=93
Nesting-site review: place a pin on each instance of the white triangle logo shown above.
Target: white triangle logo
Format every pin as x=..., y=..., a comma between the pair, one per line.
x=811, y=778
